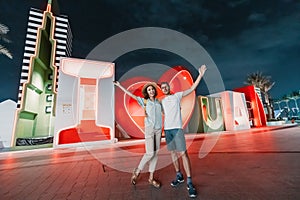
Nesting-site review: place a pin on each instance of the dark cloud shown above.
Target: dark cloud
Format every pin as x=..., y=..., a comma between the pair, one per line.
x=241, y=36
x=272, y=49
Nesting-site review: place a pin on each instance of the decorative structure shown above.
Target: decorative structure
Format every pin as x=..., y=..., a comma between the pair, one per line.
x=130, y=116
x=235, y=111
x=7, y=115
x=48, y=39
x=210, y=114
x=257, y=113
x=85, y=102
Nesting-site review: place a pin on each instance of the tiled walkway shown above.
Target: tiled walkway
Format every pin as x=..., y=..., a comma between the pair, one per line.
x=257, y=164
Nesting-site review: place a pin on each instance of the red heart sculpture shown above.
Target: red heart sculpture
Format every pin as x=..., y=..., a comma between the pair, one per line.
x=130, y=115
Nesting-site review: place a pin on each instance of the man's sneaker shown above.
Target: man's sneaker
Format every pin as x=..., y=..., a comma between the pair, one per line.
x=177, y=181
x=192, y=190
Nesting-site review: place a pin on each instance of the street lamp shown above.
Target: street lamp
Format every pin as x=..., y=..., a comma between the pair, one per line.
x=278, y=103
x=287, y=106
x=295, y=98
x=279, y=108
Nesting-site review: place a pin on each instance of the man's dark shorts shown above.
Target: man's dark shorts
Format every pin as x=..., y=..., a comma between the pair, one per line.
x=175, y=140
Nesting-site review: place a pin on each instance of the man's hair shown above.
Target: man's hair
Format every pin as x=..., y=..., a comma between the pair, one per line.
x=165, y=83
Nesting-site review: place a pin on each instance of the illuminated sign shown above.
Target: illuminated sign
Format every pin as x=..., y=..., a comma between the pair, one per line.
x=130, y=116
x=256, y=107
x=85, y=108
x=211, y=117
x=235, y=111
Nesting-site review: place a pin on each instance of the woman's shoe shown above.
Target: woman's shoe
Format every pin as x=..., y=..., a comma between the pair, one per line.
x=155, y=183
x=134, y=176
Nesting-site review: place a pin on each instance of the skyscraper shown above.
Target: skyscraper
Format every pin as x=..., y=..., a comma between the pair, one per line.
x=48, y=38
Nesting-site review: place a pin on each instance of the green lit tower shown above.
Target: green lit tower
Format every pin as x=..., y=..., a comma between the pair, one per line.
x=48, y=38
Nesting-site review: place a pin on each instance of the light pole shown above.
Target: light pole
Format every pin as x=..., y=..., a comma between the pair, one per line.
x=295, y=98
x=278, y=103
x=287, y=106
x=279, y=108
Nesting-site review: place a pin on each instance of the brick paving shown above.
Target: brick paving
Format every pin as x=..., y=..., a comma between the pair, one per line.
x=261, y=163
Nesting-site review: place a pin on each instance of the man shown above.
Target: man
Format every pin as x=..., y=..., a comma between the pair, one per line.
x=174, y=131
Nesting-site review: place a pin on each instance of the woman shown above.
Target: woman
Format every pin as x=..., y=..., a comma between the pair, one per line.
x=153, y=129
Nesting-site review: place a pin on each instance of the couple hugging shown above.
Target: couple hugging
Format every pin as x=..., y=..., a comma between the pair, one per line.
x=176, y=144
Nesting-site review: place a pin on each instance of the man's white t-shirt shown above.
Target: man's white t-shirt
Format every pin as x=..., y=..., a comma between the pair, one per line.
x=171, y=107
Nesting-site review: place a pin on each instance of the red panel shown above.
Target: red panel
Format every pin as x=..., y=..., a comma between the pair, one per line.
x=257, y=106
x=68, y=136
x=87, y=131
x=88, y=81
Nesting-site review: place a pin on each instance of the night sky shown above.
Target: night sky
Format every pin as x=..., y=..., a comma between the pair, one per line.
x=241, y=36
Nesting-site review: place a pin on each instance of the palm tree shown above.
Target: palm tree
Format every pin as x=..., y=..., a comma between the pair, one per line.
x=265, y=84
x=3, y=38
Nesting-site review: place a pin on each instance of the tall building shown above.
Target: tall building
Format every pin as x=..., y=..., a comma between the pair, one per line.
x=48, y=38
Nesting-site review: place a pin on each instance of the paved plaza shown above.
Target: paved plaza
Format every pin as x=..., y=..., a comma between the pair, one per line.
x=261, y=163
